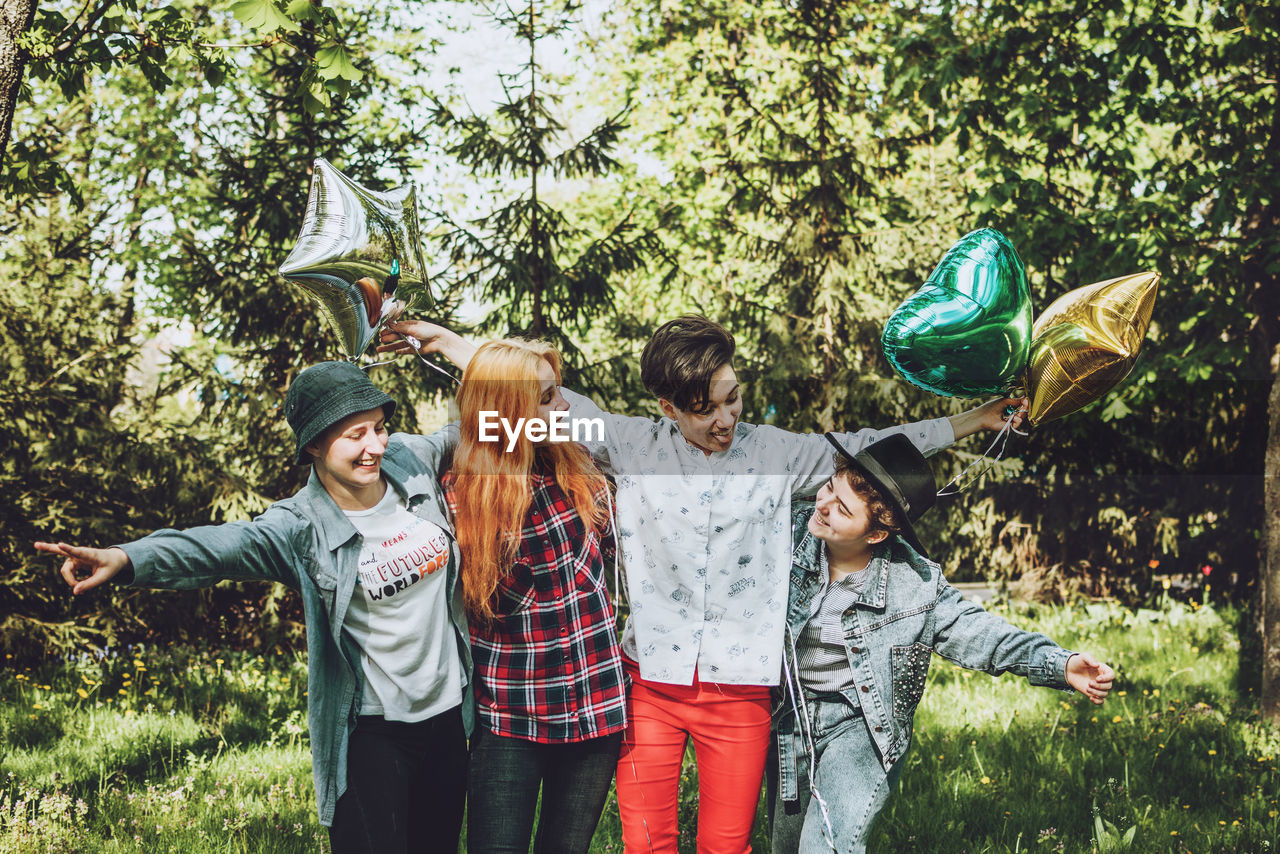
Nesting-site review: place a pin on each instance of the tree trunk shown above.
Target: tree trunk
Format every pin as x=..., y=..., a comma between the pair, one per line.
x=15, y=18
x=1259, y=268
x=1271, y=562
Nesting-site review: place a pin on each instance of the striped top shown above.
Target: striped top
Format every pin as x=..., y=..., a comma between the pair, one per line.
x=822, y=660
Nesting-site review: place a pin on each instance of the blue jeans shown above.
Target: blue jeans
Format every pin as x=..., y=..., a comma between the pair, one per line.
x=502, y=795
x=848, y=778
x=406, y=784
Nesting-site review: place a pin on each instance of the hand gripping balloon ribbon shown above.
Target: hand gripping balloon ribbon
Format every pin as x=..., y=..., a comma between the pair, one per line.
x=958, y=483
x=417, y=351
x=390, y=312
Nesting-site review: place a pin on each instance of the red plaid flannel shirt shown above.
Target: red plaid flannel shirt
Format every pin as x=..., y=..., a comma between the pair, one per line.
x=549, y=667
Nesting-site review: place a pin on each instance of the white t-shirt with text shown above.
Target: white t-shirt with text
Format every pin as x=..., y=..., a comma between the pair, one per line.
x=399, y=615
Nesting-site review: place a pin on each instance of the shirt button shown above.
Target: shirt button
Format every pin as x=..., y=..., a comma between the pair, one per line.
x=879, y=729
x=564, y=630
x=865, y=689
x=854, y=650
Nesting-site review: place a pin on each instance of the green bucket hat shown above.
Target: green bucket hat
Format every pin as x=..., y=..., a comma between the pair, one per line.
x=324, y=394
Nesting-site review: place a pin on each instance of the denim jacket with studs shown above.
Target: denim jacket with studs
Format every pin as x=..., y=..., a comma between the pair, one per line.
x=906, y=612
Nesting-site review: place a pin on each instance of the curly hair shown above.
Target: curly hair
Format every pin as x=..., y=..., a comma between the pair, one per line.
x=880, y=512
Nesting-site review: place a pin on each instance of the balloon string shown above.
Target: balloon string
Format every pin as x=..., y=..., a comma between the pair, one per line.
x=957, y=483
x=416, y=345
x=800, y=709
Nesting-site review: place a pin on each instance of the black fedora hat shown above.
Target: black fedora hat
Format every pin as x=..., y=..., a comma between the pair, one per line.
x=901, y=474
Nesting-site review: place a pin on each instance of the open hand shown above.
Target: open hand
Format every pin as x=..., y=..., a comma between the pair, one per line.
x=101, y=564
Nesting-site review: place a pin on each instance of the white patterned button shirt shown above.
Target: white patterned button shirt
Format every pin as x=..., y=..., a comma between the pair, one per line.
x=706, y=539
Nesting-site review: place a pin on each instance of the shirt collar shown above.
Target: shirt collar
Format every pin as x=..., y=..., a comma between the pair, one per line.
x=811, y=556
x=333, y=524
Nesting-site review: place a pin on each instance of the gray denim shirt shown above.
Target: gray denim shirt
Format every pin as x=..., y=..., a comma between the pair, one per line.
x=306, y=542
x=906, y=612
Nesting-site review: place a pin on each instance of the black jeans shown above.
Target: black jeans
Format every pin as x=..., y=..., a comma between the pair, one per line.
x=502, y=793
x=406, y=787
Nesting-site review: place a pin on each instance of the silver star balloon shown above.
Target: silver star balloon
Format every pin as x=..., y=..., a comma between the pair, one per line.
x=359, y=255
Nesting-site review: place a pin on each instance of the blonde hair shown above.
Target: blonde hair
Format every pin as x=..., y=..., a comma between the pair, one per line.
x=491, y=485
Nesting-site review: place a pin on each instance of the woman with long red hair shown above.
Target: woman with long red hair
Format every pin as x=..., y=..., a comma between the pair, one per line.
x=533, y=524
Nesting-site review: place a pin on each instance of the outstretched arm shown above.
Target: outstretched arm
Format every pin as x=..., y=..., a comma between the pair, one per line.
x=1090, y=677
x=433, y=338
x=101, y=564
x=265, y=549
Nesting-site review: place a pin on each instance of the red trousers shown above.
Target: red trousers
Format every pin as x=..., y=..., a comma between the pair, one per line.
x=729, y=725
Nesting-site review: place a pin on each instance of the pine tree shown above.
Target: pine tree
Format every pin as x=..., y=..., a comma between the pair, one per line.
x=540, y=268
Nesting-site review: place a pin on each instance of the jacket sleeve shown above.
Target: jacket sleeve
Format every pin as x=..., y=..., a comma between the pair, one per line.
x=265, y=549
x=436, y=450
x=968, y=635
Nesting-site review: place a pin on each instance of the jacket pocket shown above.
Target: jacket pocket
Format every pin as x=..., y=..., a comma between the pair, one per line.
x=326, y=582
x=910, y=668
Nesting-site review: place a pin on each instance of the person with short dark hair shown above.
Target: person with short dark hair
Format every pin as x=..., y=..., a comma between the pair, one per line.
x=866, y=612
x=367, y=546
x=704, y=513
x=678, y=362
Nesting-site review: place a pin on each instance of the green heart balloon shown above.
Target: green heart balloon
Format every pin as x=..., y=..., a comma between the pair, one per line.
x=967, y=330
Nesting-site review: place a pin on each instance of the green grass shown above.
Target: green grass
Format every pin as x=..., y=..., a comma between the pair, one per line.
x=179, y=750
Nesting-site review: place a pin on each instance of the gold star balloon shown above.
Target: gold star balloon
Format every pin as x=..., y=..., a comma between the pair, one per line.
x=1086, y=342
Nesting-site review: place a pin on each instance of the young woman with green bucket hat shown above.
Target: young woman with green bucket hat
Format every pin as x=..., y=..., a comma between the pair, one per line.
x=367, y=546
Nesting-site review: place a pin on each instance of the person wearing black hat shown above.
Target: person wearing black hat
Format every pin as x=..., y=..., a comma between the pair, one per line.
x=367, y=545
x=866, y=611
